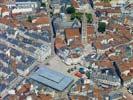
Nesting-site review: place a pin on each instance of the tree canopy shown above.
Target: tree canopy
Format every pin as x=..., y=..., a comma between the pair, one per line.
x=88, y=75
x=29, y=19
x=89, y=18
x=70, y=10
x=43, y=4
x=77, y=15
x=101, y=27
x=105, y=0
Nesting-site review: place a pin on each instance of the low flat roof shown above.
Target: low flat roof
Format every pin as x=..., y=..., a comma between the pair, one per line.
x=53, y=79
x=49, y=74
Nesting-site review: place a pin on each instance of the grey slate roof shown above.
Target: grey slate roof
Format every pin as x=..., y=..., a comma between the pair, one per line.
x=53, y=79
x=2, y=87
x=27, y=0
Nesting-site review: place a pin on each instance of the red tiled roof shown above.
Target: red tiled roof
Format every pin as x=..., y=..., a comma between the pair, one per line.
x=59, y=42
x=3, y=1
x=90, y=30
x=41, y=20
x=24, y=88
x=74, y=3
x=97, y=93
x=110, y=10
x=87, y=87
x=14, y=15
x=4, y=9
x=76, y=44
x=115, y=10
x=104, y=4
x=82, y=97
x=72, y=33
x=98, y=44
x=116, y=58
x=27, y=24
x=104, y=63
x=79, y=97
x=79, y=87
x=127, y=65
x=44, y=97
x=13, y=97
x=10, y=22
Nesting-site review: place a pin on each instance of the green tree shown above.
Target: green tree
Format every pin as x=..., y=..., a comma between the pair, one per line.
x=89, y=18
x=43, y=5
x=70, y=10
x=105, y=0
x=88, y=75
x=101, y=27
x=1, y=78
x=29, y=19
x=77, y=15
x=51, y=14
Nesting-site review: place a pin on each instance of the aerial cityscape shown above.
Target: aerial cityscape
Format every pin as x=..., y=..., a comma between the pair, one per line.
x=66, y=49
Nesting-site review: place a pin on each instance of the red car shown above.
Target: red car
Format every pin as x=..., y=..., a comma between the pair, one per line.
x=78, y=74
